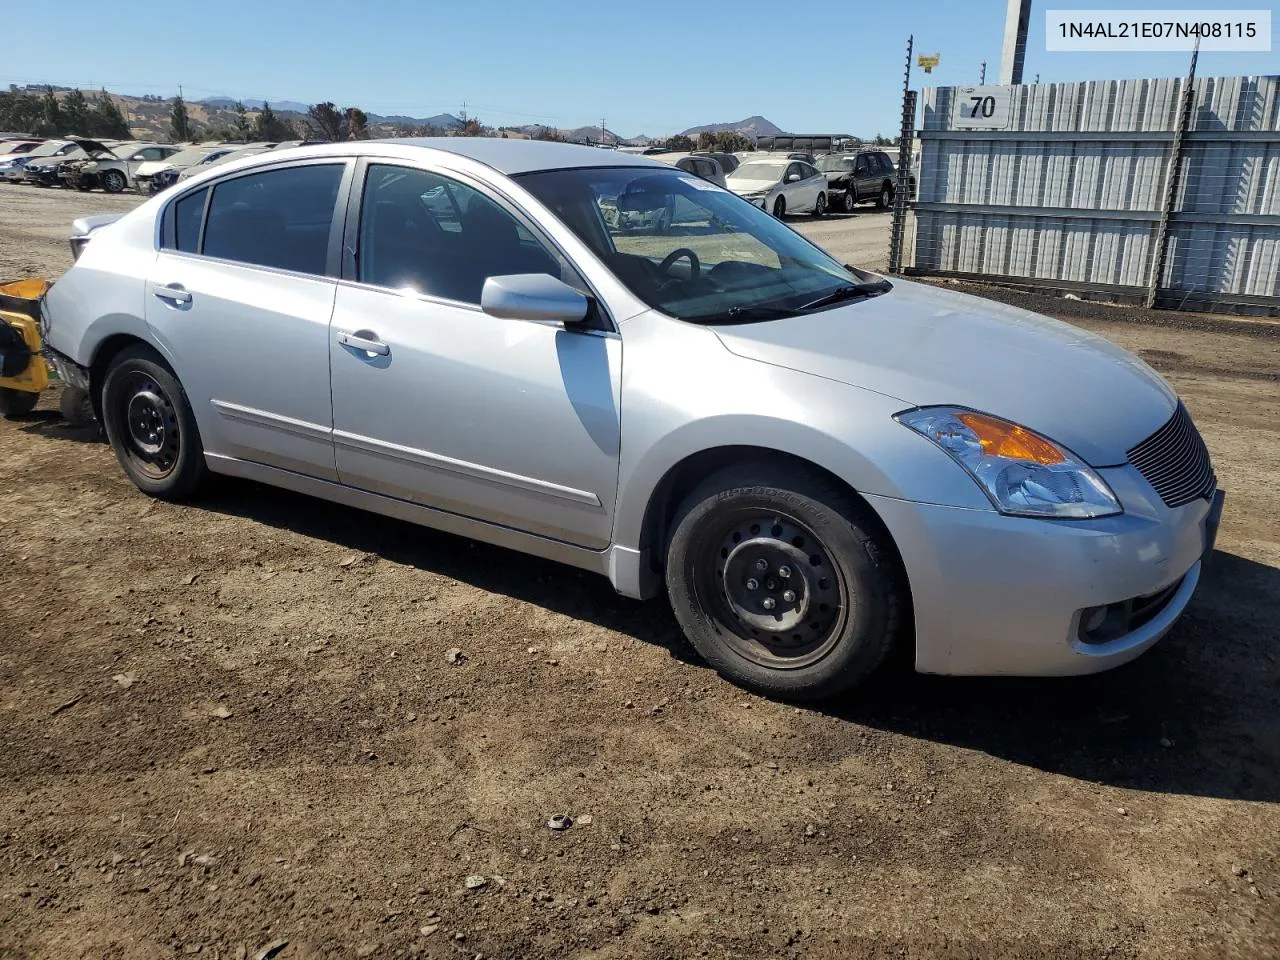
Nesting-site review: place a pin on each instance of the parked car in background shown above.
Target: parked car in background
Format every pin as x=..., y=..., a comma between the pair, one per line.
x=238, y=152
x=113, y=170
x=16, y=147
x=154, y=175
x=819, y=465
x=42, y=165
x=780, y=185
x=728, y=161
x=700, y=165
x=861, y=175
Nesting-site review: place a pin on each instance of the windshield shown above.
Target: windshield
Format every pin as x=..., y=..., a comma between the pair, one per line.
x=48, y=148
x=833, y=164
x=760, y=170
x=687, y=247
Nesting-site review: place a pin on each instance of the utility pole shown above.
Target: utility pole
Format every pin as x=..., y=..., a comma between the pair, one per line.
x=463, y=118
x=1015, y=41
x=602, y=131
x=982, y=73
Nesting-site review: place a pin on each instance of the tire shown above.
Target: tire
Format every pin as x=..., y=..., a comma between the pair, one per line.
x=150, y=426
x=849, y=200
x=76, y=407
x=884, y=199
x=15, y=404
x=838, y=623
x=780, y=208
x=820, y=205
x=113, y=181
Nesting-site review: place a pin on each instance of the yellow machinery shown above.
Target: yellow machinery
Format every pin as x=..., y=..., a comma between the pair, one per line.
x=23, y=371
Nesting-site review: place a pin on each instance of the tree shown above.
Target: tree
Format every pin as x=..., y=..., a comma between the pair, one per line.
x=242, y=123
x=679, y=142
x=179, y=122
x=355, y=124
x=731, y=141
x=325, y=121
x=472, y=127
x=50, y=114
x=75, y=115
x=330, y=123
x=107, y=120
x=268, y=126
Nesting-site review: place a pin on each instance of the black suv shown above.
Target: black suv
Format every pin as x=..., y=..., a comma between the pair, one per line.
x=859, y=175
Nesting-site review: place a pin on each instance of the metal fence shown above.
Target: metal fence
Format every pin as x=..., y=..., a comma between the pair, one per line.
x=1127, y=189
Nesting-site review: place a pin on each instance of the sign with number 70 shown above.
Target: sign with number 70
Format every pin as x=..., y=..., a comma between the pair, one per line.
x=989, y=107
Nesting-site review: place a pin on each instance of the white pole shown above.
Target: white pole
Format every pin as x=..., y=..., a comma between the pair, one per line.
x=1015, y=41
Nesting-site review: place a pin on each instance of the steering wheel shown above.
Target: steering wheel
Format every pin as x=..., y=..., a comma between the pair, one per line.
x=695, y=265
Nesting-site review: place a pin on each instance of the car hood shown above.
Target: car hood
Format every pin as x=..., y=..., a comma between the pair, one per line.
x=151, y=167
x=738, y=185
x=926, y=346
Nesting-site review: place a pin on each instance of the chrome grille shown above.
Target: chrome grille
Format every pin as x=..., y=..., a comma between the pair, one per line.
x=1175, y=461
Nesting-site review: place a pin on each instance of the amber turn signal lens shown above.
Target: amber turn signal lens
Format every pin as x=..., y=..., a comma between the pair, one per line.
x=1002, y=439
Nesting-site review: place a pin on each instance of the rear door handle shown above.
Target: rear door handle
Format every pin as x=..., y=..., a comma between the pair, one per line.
x=367, y=344
x=173, y=293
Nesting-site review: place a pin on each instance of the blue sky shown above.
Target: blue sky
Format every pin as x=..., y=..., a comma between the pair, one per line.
x=646, y=67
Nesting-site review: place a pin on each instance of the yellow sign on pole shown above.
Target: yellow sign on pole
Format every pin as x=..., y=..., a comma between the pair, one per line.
x=928, y=61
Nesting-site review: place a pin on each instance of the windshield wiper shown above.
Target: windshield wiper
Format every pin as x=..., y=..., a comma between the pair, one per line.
x=848, y=292
x=745, y=314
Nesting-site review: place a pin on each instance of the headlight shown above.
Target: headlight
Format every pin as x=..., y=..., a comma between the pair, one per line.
x=1023, y=473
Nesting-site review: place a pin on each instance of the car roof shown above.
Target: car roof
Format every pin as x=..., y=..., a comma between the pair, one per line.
x=504, y=155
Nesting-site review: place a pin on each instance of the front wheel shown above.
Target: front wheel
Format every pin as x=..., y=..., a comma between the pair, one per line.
x=885, y=199
x=780, y=208
x=850, y=200
x=17, y=403
x=151, y=427
x=820, y=205
x=783, y=582
x=113, y=181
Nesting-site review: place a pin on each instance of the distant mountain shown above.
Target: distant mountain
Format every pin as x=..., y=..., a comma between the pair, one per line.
x=226, y=103
x=756, y=126
x=445, y=121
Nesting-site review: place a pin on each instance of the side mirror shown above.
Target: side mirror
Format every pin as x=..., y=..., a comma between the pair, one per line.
x=793, y=178
x=533, y=296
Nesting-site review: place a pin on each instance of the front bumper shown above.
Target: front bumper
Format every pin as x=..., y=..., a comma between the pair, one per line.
x=46, y=176
x=1007, y=595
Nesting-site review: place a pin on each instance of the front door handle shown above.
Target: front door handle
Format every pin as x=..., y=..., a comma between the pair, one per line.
x=173, y=293
x=367, y=344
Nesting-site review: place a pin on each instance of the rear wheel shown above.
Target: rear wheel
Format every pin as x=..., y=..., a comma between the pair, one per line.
x=820, y=206
x=17, y=403
x=151, y=427
x=783, y=583
x=780, y=208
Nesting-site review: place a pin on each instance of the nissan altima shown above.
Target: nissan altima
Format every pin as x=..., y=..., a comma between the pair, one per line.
x=492, y=337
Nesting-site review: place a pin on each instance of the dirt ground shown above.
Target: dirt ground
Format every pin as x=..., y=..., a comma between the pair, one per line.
x=233, y=723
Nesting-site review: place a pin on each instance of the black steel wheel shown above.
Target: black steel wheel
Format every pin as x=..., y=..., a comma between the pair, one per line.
x=780, y=208
x=783, y=582
x=850, y=200
x=150, y=425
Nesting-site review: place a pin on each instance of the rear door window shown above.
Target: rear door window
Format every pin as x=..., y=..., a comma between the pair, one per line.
x=278, y=218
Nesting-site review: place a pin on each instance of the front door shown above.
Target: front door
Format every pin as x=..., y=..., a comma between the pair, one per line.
x=240, y=300
x=508, y=421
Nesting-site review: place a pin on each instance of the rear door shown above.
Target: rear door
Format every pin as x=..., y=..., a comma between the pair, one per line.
x=240, y=299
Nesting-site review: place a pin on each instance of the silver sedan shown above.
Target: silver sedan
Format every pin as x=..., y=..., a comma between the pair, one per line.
x=494, y=338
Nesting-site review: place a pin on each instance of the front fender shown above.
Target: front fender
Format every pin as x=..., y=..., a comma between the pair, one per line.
x=684, y=393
